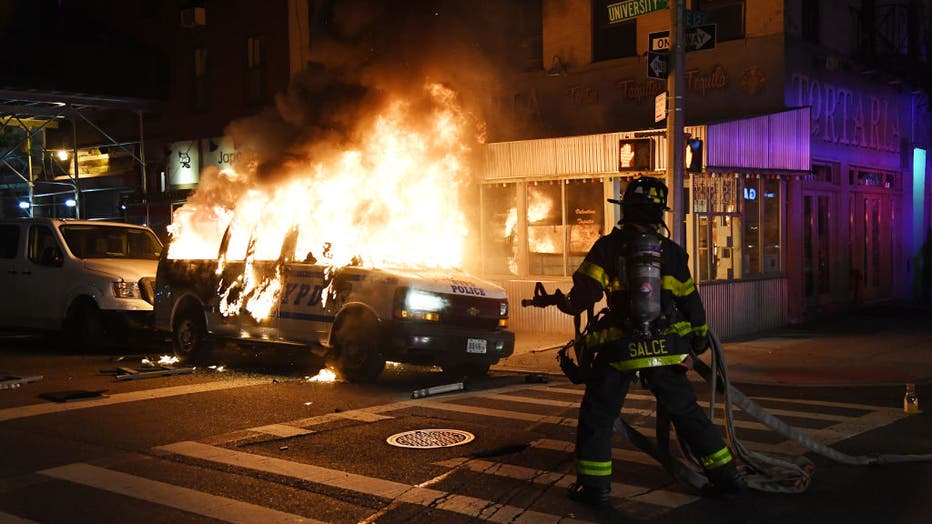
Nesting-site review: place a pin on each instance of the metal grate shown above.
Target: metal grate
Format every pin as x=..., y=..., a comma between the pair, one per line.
x=430, y=438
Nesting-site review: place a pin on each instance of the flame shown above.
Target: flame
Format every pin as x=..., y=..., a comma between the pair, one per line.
x=391, y=198
x=541, y=239
x=325, y=375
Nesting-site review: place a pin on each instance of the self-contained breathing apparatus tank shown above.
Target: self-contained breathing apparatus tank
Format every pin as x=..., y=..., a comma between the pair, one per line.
x=642, y=278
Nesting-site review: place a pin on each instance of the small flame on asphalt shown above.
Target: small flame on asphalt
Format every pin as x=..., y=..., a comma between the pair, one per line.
x=325, y=375
x=217, y=368
x=168, y=359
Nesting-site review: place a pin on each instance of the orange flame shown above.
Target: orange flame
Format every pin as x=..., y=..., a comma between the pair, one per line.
x=390, y=200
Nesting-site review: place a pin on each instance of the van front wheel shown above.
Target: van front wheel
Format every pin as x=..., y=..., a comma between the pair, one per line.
x=189, y=335
x=356, y=348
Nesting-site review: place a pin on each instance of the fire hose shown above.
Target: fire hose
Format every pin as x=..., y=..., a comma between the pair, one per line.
x=761, y=472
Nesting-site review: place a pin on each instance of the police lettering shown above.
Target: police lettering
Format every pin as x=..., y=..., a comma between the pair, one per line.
x=468, y=290
x=647, y=348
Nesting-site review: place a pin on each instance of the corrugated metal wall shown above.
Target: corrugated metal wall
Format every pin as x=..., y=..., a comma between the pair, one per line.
x=566, y=156
x=743, y=307
x=733, y=309
x=778, y=141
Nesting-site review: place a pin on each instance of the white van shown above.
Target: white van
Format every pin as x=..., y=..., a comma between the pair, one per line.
x=88, y=279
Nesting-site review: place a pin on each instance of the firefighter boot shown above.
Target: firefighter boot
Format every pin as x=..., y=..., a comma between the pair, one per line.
x=725, y=481
x=589, y=495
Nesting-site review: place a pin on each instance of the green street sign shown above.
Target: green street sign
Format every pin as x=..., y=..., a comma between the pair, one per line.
x=629, y=9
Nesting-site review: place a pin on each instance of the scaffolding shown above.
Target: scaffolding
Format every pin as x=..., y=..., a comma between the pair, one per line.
x=36, y=174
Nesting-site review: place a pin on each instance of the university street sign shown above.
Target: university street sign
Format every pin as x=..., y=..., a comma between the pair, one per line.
x=628, y=9
x=697, y=39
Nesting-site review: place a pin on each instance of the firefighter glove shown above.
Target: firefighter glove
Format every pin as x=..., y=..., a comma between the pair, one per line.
x=700, y=344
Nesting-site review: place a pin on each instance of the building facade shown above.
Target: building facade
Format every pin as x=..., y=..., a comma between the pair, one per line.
x=814, y=121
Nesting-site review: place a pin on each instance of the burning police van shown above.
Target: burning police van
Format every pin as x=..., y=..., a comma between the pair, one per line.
x=358, y=318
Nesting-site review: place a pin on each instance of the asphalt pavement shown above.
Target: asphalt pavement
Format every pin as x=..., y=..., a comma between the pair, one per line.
x=881, y=344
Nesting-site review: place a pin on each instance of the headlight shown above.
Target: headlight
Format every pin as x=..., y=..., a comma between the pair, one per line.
x=415, y=304
x=418, y=300
x=126, y=290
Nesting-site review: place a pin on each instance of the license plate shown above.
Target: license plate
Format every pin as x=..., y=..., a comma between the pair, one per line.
x=475, y=345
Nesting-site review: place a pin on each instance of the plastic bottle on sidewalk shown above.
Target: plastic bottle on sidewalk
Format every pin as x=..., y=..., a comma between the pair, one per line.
x=911, y=399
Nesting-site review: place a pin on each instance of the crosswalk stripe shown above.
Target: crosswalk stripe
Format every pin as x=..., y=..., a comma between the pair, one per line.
x=627, y=455
x=657, y=497
x=6, y=518
x=462, y=504
x=33, y=410
x=185, y=499
x=281, y=430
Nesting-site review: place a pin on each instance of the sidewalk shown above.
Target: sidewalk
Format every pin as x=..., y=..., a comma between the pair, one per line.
x=874, y=345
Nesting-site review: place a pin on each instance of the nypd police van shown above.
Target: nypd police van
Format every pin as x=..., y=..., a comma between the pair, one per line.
x=358, y=318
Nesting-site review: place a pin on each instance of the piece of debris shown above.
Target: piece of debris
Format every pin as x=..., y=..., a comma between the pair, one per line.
x=537, y=378
x=73, y=395
x=283, y=448
x=127, y=373
x=436, y=390
x=13, y=382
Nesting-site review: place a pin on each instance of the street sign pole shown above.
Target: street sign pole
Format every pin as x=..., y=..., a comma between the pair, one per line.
x=676, y=86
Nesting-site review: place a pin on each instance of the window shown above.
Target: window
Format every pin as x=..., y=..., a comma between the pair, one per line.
x=545, y=228
x=585, y=219
x=810, y=21
x=9, y=241
x=43, y=249
x=500, y=233
x=762, y=241
x=255, y=68
x=611, y=40
x=718, y=219
x=728, y=15
x=200, y=78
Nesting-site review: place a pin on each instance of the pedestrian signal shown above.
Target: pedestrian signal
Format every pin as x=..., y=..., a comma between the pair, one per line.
x=636, y=154
x=693, y=155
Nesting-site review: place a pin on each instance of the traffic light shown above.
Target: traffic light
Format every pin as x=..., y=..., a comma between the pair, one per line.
x=636, y=154
x=693, y=155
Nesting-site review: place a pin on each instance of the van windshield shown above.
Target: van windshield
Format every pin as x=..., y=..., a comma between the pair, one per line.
x=93, y=241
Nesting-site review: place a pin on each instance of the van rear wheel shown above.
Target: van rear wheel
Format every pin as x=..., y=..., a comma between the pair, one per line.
x=189, y=335
x=84, y=327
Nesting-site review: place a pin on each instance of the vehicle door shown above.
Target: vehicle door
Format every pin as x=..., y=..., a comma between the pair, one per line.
x=11, y=279
x=45, y=279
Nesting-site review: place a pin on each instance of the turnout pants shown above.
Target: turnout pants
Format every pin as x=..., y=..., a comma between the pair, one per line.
x=601, y=405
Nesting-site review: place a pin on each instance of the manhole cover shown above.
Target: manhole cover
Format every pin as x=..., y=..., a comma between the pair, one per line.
x=430, y=438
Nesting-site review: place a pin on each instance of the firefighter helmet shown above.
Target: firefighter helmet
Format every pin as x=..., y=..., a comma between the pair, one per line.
x=644, y=191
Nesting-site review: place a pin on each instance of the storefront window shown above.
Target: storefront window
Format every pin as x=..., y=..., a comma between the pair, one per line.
x=545, y=228
x=500, y=223
x=585, y=219
x=752, y=232
x=771, y=233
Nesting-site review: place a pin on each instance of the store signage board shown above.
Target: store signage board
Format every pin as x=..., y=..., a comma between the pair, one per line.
x=628, y=9
x=697, y=39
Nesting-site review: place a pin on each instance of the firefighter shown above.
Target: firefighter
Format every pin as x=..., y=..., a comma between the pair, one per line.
x=654, y=322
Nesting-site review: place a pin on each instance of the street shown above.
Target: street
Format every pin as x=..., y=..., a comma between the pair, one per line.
x=258, y=441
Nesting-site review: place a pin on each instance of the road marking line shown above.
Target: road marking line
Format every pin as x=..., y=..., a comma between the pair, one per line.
x=657, y=497
x=7, y=518
x=626, y=455
x=819, y=403
x=34, y=410
x=473, y=507
x=185, y=499
x=281, y=430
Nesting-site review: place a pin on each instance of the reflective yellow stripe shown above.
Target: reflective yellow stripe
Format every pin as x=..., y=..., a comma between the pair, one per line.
x=717, y=459
x=616, y=285
x=681, y=328
x=679, y=289
x=701, y=331
x=648, y=362
x=603, y=336
x=594, y=469
x=594, y=272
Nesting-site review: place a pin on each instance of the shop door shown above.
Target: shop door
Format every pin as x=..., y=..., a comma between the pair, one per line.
x=817, y=242
x=877, y=250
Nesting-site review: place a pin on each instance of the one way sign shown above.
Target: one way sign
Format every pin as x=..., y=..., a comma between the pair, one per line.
x=697, y=39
